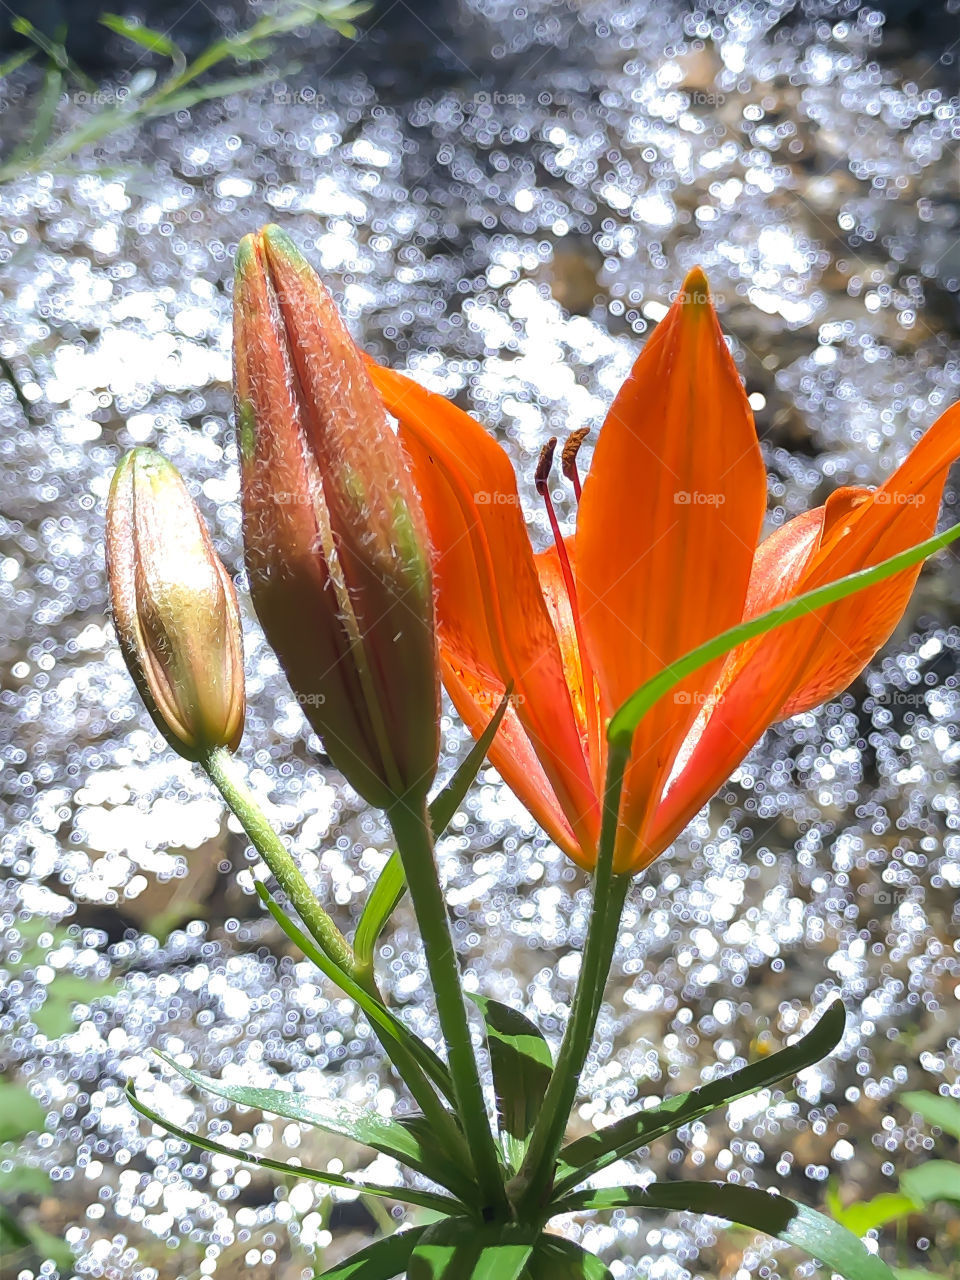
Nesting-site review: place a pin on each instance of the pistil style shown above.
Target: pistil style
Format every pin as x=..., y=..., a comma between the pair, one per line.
x=595, y=745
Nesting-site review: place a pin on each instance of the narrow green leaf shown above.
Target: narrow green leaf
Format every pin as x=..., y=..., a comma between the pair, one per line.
x=554, y=1258
x=587, y=1155
x=391, y=884
x=934, y=1180
x=446, y=803
x=379, y=907
x=24, y=1180
x=522, y=1065
x=461, y=1249
x=431, y=1200
x=12, y=1234
x=870, y=1215
x=162, y=104
x=20, y=1112
x=624, y=722
x=935, y=1109
x=54, y=49
x=145, y=37
x=827, y=1241
x=405, y=1143
x=26, y=408
x=917, y=1273
x=241, y=45
x=378, y=1014
x=379, y=1261
x=45, y=116
x=9, y=65
x=53, y=1248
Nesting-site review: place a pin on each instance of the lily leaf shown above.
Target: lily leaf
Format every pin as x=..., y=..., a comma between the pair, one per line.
x=818, y=1236
x=522, y=1066
x=145, y=37
x=20, y=1112
x=384, y=899
x=9, y=65
x=933, y=1180
x=587, y=1155
x=407, y=1143
x=935, y=1109
x=917, y=1273
x=379, y=1015
x=462, y=1249
x=431, y=1200
x=869, y=1215
x=391, y=884
x=628, y=715
x=379, y=1261
x=558, y=1259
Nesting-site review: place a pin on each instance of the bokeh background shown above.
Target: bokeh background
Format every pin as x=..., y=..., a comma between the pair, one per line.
x=503, y=196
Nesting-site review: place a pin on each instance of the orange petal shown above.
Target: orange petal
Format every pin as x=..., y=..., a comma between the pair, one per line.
x=806, y=662
x=511, y=753
x=557, y=600
x=491, y=610
x=669, y=520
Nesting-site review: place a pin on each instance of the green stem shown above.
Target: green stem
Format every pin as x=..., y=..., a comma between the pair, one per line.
x=411, y=826
x=335, y=956
x=387, y=1029
x=535, y=1179
x=227, y=777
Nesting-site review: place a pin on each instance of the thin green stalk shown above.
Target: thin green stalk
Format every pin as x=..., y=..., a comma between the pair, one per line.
x=386, y=1028
x=411, y=827
x=226, y=776
x=335, y=956
x=532, y=1185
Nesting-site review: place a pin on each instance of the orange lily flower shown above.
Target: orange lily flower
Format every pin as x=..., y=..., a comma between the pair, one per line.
x=665, y=557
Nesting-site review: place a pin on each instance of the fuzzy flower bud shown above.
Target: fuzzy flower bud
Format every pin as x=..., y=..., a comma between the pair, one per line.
x=336, y=545
x=174, y=608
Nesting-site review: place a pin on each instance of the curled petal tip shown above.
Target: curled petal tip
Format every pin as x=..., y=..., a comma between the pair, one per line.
x=247, y=258
x=696, y=290
x=279, y=247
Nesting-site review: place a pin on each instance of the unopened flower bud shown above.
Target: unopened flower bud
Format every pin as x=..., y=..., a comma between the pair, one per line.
x=174, y=608
x=336, y=545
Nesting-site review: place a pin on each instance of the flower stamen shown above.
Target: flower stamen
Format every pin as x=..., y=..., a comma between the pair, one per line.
x=568, y=458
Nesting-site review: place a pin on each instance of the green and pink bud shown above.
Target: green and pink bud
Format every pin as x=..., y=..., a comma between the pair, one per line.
x=336, y=545
x=174, y=608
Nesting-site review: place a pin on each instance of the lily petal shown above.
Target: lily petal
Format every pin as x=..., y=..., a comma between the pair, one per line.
x=669, y=520
x=491, y=611
x=511, y=753
x=558, y=604
x=797, y=666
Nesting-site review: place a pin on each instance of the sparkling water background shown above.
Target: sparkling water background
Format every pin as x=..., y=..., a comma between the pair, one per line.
x=504, y=200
